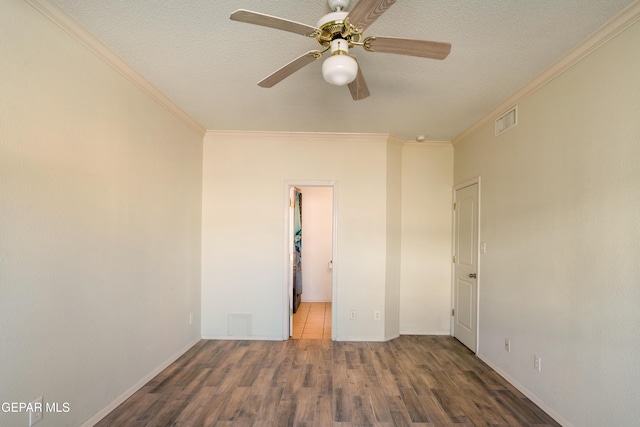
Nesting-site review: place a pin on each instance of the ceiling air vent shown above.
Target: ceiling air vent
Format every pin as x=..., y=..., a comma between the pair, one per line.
x=507, y=121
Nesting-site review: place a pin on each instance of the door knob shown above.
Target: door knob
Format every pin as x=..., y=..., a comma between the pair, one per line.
x=473, y=275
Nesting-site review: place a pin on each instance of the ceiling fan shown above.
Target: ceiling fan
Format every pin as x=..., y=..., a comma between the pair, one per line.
x=337, y=32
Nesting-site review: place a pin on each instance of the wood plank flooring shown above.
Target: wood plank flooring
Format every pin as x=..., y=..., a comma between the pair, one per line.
x=312, y=321
x=408, y=381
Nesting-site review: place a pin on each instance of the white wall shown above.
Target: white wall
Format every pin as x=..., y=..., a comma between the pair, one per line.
x=427, y=185
x=317, y=243
x=243, y=245
x=560, y=203
x=99, y=225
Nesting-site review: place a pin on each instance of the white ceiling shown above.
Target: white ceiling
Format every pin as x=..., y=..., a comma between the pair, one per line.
x=209, y=65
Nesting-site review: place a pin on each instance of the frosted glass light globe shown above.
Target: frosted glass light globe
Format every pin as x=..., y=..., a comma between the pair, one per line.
x=339, y=70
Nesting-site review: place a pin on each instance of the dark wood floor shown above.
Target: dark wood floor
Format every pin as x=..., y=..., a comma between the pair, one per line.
x=409, y=381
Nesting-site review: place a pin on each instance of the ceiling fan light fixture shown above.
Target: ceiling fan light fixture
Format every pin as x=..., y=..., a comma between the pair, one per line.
x=338, y=31
x=339, y=69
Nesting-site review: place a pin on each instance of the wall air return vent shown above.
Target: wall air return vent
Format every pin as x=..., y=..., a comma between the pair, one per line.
x=506, y=121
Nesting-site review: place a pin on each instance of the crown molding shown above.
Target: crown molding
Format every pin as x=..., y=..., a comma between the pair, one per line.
x=395, y=140
x=615, y=26
x=279, y=135
x=344, y=136
x=429, y=143
x=56, y=15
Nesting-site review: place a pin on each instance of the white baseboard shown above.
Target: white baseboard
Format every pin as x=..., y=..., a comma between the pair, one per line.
x=241, y=338
x=553, y=414
x=137, y=386
x=438, y=333
x=392, y=337
x=315, y=300
x=362, y=339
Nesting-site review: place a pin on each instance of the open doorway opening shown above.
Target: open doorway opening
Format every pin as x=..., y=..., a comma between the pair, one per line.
x=311, y=242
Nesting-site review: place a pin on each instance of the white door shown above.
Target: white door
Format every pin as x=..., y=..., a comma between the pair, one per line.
x=465, y=292
x=291, y=270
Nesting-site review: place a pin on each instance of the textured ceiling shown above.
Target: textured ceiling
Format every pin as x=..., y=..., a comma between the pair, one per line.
x=209, y=65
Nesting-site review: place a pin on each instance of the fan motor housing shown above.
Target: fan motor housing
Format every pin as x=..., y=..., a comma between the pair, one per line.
x=335, y=25
x=338, y=4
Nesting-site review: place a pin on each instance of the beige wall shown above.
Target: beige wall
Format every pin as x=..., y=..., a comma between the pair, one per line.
x=394, y=255
x=99, y=225
x=425, y=294
x=560, y=203
x=243, y=245
x=244, y=249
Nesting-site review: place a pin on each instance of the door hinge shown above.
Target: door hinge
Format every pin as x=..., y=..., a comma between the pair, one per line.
x=454, y=206
x=453, y=312
x=292, y=203
x=454, y=259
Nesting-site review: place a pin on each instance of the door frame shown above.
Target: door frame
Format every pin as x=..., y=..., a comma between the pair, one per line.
x=457, y=187
x=288, y=185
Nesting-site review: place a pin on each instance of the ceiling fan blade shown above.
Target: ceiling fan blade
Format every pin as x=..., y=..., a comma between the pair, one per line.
x=256, y=18
x=358, y=88
x=421, y=48
x=365, y=12
x=290, y=68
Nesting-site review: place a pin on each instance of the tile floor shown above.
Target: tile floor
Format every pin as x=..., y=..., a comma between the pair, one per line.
x=312, y=321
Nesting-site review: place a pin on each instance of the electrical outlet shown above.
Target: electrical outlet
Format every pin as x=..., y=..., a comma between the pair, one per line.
x=537, y=363
x=35, y=414
x=376, y=315
x=507, y=344
x=352, y=315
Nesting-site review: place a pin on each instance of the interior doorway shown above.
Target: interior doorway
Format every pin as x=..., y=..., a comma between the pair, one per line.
x=310, y=238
